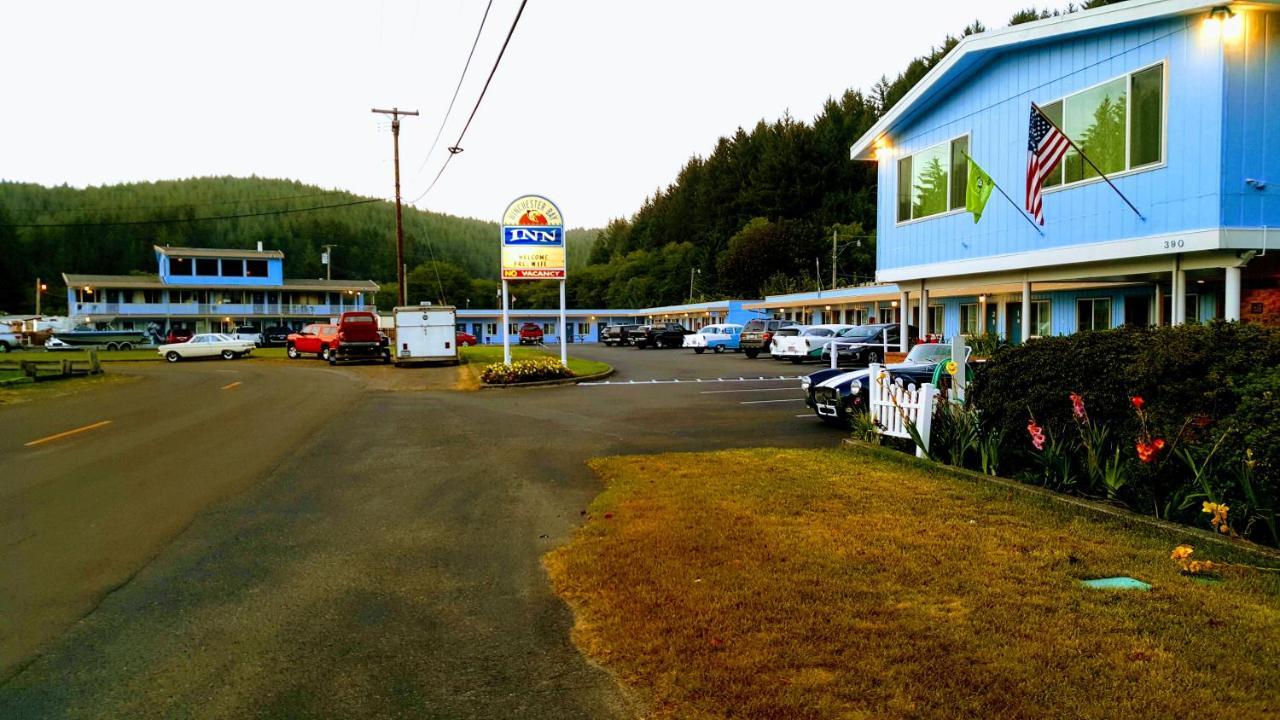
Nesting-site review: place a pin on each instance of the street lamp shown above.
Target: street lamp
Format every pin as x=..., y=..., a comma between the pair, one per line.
x=41, y=289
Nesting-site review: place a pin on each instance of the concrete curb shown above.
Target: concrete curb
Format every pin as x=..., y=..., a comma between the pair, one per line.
x=550, y=383
x=1091, y=506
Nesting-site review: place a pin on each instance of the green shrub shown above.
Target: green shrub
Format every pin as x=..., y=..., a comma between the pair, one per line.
x=523, y=371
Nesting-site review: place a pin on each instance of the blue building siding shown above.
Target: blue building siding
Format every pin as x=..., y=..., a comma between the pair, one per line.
x=275, y=275
x=1251, y=138
x=991, y=105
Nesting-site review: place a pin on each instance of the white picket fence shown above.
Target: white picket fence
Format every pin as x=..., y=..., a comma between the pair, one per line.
x=893, y=405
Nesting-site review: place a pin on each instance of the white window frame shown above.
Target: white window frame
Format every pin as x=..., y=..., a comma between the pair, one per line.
x=975, y=314
x=1048, y=317
x=1128, y=128
x=1110, y=317
x=897, y=170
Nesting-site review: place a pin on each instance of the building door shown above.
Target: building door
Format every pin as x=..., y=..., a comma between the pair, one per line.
x=1137, y=311
x=1013, y=322
x=477, y=329
x=993, y=319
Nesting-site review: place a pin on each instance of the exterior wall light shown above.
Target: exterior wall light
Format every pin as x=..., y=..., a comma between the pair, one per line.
x=883, y=149
x=894, y=303
x=982, y=298
x=1222, y=24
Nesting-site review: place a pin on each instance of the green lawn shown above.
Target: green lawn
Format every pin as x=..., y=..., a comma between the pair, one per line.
x=856, y=584
x=481, y=355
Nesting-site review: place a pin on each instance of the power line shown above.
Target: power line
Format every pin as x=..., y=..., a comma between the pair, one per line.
x=166, y=221
x=457, y=146
x=454, y=99
x=34, y=209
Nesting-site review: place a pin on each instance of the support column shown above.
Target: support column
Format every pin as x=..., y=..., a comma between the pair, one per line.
x=1159, y=313
x=924, y=310
x=1026, y=310
x=1178, y=298
x=1231, y=295
x=904, y=314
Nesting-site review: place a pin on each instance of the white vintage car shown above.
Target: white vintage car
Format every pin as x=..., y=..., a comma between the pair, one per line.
x=206, y=345
x=716, y=338
x=807, y=345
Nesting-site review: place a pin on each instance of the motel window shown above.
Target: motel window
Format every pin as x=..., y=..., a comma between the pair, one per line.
x=1093, y=314
x=548, y=328
x=935, y=319
x=255, y=268
x=207, y=267
x=969, y=319
x=513, y=328
x=1041, y=325
x=1193, y=308
x=491, y=328
x=584, y=328
x=232, y=267
x=1119, y=124
x=180, y=266
x=932, y=181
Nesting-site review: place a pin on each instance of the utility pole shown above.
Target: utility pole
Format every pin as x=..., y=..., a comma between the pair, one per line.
x=40, y=288
x=834, y=234
x=328, y=261
x=691, y=274
x=395, y=114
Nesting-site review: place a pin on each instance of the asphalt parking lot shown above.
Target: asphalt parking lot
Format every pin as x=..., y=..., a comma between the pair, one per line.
x=276, y=540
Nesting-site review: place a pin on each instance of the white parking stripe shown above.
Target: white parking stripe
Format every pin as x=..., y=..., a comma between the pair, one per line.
x=761, y=402
x=721, y=392
x=624, y=383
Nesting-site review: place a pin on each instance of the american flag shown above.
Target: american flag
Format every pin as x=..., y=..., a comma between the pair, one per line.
x=1045, y=147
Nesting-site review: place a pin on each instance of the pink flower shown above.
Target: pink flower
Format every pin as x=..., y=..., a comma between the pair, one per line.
x=1137, y=401
x=1037, y=435
x=1077, y=406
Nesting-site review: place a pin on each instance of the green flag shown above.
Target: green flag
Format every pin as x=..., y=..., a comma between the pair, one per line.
x=978, y=191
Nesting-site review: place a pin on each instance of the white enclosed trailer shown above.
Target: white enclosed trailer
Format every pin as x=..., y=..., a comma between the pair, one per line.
x=426, y=333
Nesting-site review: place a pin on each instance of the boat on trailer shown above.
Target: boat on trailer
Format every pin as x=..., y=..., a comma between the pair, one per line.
x=83, y=337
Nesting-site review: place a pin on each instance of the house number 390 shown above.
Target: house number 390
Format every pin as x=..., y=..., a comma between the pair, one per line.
x=1174, y=244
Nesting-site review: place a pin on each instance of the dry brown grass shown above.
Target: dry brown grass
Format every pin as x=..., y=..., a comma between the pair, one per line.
x=849, y=584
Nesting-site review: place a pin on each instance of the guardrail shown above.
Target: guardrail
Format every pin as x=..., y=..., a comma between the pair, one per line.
x=835, y=349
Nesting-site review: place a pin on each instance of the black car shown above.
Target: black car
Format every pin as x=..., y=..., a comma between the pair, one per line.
x=619, y=334
x=867, y=344
x=275, y=335
x=660, y=335
x=757, y=335
x=835, y=395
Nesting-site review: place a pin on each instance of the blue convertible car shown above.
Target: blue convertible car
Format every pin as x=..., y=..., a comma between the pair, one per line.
x=835, y=395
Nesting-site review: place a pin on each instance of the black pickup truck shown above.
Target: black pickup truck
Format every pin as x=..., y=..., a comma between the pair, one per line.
x=660, y=335
x=618, y=334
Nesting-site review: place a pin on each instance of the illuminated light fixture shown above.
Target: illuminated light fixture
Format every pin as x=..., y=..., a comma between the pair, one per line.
x=982, y=298
x=894, y=303
x=827, y=307
x=882, y=148
x=1199, y=282
x=1222, y=24
x=88, y=289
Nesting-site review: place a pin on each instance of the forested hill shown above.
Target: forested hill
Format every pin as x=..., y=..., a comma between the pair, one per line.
x=757, y=214
x=108, y=230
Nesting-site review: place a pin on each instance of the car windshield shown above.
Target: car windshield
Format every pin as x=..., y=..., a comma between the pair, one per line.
x=787, y=332
x=860, y=334
x=930, y=353
x=712, y=330
x=754, y=326
x=817, y=332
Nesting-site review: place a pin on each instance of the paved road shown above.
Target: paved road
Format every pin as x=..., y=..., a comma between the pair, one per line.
x=383, y=562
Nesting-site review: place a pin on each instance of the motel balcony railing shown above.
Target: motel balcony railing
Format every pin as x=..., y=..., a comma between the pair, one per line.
x=212, y=309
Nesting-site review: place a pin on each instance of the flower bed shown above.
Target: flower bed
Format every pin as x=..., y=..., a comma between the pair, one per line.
x=1177, y=422
x=525, y=371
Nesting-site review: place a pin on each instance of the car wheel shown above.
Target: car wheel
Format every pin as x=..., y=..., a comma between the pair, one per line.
x=4, y=347
x=293, y=353
x=332, y=358
x=325, y=353
x=172, y=356
x=751, y=354
x=228, y=355
x=386, y=357
x=699, y=351
x=719, y=349
x=873, y=358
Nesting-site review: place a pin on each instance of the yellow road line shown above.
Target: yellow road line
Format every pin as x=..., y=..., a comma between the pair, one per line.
x=231, y=385
x=61, y=435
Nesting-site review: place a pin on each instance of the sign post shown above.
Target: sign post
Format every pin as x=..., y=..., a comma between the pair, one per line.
x=533, y=248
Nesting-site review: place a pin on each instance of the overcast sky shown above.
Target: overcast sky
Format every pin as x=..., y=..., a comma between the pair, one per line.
x=595, y=105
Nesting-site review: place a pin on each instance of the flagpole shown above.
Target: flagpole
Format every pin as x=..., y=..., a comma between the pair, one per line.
x=1090, y=161
x=1016, y=206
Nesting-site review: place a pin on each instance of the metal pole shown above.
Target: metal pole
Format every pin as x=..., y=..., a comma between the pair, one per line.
x=506, y=324
x=37, y=296
x=395, y=114
x=834, y=233
x=1091, y=163
x=564, y=330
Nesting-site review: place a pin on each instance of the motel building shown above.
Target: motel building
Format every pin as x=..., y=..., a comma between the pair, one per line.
x=211, y=290
x=1176, y=101
x=586, y=326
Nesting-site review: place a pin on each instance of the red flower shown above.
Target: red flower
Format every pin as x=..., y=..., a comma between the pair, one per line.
x=1158, y=443
x=1077, y=406
x=1037, y=434
x=1137, y=401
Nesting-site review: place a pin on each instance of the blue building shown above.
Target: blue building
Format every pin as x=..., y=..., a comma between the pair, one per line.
x=211, y=290
x=1175, y=100
x=587, y=325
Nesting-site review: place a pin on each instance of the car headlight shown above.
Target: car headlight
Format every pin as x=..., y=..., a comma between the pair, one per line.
x=805, y=382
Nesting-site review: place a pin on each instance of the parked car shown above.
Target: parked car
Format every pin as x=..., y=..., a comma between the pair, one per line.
x=179, y=335
x=781, y=334
x=206, y=345
x=314, y=339
x=276, y=335
x=661, y=335
x=9, y=341
x=835, y=395
x=757, y=335
x=250, y=333
x=530, y=334
x=867, y=344
x=619, y=335
x=716, y=338
x=359, y=339
x=464, y=339
x=806, y=345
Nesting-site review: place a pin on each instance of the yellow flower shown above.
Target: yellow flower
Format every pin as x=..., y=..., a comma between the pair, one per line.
x=1210, y=507
x=1182, y=552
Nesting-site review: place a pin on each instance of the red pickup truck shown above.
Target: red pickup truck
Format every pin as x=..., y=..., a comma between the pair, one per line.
x=317, y=339
x=530, y=334
x=359, y=339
